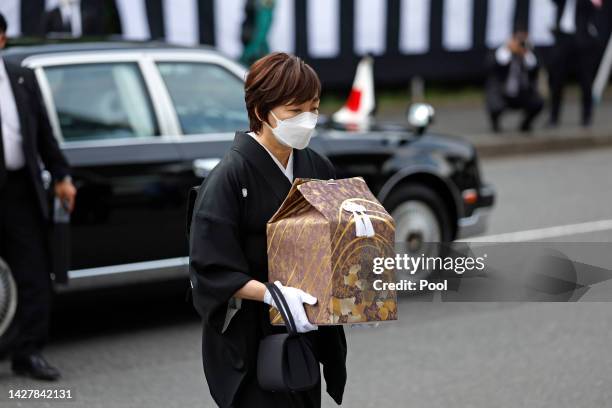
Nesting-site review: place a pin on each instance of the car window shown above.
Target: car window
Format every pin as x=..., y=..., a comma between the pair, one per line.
x=207, y=98
x=101, y=101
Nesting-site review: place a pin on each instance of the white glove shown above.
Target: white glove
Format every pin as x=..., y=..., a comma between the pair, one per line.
x=295, y=300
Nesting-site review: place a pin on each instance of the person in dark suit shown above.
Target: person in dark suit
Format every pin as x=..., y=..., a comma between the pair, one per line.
x=512, y=81
x=64, y=19
x=576, y=46
x=81, y=18
x=26, y=136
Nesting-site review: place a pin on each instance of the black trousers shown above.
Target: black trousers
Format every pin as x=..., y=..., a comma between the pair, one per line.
x=530, y=102
x=23, y=245
x=567, y=54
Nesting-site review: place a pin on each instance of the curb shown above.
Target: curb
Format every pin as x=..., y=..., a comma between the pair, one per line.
x=515, y=143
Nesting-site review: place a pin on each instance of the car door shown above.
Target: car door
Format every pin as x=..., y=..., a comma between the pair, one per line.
x=208, y=99
x=130, y=208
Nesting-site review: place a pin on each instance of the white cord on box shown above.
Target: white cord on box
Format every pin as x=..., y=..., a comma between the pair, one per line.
x=363, y=223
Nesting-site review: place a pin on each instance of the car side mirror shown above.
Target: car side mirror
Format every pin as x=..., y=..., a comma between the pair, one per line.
x=420, y=116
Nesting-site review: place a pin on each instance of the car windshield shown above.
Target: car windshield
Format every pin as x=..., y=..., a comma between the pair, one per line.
x=207, y=98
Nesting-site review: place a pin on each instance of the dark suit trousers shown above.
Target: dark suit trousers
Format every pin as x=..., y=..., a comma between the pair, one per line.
x=530, y=102
x=567, y=54
x=23, y=245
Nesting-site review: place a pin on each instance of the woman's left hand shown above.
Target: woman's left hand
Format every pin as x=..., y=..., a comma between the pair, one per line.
x=295, y=300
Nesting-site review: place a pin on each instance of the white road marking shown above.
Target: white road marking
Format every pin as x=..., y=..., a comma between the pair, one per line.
x=543, y=233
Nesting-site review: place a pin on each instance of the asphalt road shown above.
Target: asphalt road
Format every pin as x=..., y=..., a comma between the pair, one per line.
x=141, y=348
x=548, y=190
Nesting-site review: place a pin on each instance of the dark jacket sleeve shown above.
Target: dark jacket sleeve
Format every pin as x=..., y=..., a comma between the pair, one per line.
x=218, y=267
x=333, y=358
x=48, y=148
x=533, y=73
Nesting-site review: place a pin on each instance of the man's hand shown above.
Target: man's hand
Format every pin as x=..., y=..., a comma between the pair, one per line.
x=515, y=47
x=66, y=192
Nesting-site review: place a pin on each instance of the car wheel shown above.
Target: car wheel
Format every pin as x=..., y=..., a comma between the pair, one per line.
x=8, y=305
x=421, y=220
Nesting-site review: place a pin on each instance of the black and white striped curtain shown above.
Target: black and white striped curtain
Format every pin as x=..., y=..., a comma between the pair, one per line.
x=433, y=38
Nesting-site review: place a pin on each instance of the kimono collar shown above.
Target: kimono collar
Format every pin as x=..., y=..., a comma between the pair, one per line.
x=259, y=158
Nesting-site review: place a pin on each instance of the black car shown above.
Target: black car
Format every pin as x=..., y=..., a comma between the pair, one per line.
x=141, y=123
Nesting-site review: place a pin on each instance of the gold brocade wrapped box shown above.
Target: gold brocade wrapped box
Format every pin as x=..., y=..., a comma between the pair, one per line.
x=323, y=239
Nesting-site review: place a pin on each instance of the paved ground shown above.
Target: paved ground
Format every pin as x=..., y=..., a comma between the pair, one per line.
x=140, y=348
x=546, y=190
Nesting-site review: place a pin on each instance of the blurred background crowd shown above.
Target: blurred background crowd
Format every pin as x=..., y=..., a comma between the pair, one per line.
x=521, y=51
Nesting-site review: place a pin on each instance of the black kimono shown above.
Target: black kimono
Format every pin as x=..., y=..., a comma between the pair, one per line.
x=227, y=249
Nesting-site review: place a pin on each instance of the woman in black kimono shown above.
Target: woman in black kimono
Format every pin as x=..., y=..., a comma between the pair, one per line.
x=228, y=258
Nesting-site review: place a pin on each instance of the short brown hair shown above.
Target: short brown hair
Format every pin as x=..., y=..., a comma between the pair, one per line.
x=278, y=79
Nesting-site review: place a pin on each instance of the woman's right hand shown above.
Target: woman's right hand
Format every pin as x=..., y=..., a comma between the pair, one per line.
x=295, y=300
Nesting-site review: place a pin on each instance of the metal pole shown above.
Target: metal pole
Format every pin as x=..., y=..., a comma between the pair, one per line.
x=417, y=89
x=603, y=73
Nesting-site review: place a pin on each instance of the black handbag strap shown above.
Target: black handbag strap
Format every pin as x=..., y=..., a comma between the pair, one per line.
x=282, y=306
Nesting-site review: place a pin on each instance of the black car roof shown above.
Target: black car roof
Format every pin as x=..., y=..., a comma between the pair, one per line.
x=17, y=53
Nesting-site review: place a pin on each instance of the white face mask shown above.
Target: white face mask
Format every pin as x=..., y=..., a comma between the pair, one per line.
x=296, y=131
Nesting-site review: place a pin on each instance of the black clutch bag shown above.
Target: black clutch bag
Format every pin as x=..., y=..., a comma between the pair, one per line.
x=286, y=361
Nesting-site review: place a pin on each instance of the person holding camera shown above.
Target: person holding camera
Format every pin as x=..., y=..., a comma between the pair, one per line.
x=512, y=81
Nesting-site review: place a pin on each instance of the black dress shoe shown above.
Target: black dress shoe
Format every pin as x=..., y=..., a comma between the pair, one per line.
x=34, y=365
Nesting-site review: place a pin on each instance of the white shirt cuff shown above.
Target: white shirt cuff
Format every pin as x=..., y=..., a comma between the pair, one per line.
x=503, y=55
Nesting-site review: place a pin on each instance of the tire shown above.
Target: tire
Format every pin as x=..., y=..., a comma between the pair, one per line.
x=8, y=305
x=422, y=221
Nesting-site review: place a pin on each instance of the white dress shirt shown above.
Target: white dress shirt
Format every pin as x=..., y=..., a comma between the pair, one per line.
x=71, y=12
x=286, y=171
x=504, y=56
x=567, y=24
x=11, y=130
